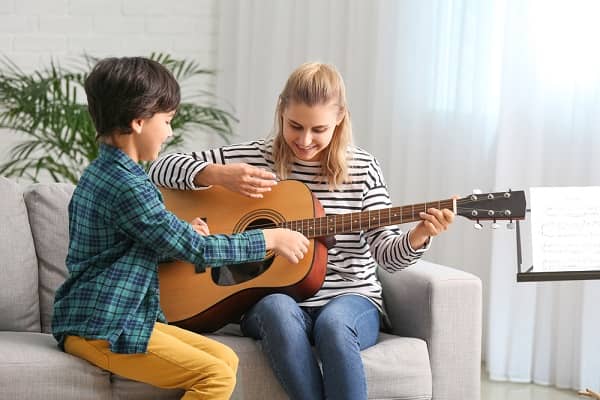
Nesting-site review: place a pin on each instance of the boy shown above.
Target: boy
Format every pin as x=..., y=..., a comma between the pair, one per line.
x=108, y=310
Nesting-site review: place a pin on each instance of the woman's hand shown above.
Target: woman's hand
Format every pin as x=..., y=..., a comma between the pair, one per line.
x=433, y=222
x=200, y=226
x=242, y=178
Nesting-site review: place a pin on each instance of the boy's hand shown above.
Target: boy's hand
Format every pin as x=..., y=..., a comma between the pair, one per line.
x=200, y=226
x=290, y=244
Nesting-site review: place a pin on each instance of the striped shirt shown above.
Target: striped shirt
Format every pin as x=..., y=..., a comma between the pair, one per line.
x=352, y=262
x=119, y=229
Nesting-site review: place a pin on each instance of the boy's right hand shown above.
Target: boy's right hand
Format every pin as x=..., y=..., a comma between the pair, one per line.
x=200, y=226
x=287, y=243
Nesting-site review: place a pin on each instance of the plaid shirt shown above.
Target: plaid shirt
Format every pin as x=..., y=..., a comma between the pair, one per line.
x=119, y=230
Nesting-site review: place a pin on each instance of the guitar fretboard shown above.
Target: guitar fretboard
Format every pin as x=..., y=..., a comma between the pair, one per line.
x=364, y=220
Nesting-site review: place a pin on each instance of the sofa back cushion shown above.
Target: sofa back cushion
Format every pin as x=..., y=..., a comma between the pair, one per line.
x=19, y=302
x=47, y=206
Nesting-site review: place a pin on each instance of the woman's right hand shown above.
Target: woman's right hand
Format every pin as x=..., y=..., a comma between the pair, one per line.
x=242, y=178
x=287, y=243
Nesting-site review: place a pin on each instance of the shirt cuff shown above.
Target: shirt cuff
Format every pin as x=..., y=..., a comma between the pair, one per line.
x=420, y=251
x=257, y=247
x=196, y=168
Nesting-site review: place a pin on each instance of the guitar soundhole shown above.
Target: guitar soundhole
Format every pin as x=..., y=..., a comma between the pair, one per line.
x=234, y=274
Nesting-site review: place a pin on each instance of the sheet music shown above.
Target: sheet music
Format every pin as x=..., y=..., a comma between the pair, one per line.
x=565, y=228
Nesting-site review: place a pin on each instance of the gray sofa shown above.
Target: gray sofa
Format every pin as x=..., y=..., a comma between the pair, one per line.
x=433, y=351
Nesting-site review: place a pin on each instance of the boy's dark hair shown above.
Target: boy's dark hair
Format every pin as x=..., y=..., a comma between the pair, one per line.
x=120, y=90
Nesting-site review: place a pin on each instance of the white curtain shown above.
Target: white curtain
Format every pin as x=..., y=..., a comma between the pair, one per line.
x=452, y=96
x=547, y=135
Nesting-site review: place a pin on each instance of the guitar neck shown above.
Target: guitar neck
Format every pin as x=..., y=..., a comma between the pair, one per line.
x=364, y=220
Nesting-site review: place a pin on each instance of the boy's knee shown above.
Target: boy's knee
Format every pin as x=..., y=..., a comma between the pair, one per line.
x=216, y=382
x=231, y=359
x=224, y=376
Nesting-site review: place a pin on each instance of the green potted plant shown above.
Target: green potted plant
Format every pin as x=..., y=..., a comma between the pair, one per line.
x=47, y=108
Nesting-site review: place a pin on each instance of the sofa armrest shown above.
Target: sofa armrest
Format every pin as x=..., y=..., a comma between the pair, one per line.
x=442, y=306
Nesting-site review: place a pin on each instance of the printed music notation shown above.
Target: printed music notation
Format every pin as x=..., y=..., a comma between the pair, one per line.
x=565, y=228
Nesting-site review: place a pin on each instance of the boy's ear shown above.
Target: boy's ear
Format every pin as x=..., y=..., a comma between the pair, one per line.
x=137, y=125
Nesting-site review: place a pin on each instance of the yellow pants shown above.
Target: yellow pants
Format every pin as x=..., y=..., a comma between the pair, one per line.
x=176, y=358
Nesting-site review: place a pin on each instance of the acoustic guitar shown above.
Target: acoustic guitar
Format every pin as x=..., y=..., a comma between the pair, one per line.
x=204, y=301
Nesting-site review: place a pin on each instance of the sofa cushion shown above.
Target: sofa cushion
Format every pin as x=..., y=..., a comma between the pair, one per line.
x=125, y=389
x=19, y=303
x=33, y=367
x=255, y=378
x=398, y=365
x=49, y=220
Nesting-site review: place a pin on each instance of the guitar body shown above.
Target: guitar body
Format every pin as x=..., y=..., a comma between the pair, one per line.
x=206, y=301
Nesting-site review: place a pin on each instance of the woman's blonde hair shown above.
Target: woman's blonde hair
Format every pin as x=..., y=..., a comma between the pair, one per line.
x=315, y=84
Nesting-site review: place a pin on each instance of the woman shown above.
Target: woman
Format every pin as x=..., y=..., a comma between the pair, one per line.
x=312, y=144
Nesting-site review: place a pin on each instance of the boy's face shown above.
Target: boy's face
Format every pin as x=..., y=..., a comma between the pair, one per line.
x=154, y=132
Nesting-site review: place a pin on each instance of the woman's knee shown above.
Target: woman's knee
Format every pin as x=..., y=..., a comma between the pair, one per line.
x=275, y=303
x=277, y=309
x=355, y=327
x=275, y=314
x=333, y=330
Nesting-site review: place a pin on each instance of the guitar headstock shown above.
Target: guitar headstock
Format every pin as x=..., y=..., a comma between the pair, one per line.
x=510, y=205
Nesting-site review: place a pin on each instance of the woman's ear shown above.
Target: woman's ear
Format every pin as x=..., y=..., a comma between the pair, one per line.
x=137, y=125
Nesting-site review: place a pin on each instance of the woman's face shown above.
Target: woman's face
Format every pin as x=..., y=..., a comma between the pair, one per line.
x=308, y=130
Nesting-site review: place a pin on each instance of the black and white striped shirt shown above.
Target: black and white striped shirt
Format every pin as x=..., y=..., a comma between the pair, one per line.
x=352, y=262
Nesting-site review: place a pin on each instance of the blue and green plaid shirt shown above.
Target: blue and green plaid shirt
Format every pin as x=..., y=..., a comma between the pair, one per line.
x=119, y=230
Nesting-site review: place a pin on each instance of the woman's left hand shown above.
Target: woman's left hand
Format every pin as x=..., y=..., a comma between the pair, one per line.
x=433, y=222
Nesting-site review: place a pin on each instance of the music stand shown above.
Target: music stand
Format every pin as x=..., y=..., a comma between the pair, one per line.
x=530, y=275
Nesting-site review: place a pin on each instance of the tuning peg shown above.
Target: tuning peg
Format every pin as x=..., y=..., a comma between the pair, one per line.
x=477, y=191
x=495, y=225
x=477, y=226
x=510, y=225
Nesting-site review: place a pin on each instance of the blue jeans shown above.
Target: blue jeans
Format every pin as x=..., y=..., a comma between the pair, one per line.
x=339, y=331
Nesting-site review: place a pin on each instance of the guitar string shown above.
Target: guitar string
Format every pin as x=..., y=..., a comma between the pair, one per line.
x=407, y=211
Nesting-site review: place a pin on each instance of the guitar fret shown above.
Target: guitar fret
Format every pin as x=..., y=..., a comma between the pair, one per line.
x=334, y=224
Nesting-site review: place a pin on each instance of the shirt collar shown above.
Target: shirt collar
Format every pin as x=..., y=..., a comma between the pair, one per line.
x=117, y=155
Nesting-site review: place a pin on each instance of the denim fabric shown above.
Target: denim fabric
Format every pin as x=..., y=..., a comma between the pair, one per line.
x=338, y=330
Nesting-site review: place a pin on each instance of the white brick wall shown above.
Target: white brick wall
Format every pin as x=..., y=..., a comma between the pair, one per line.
x=32, y=32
